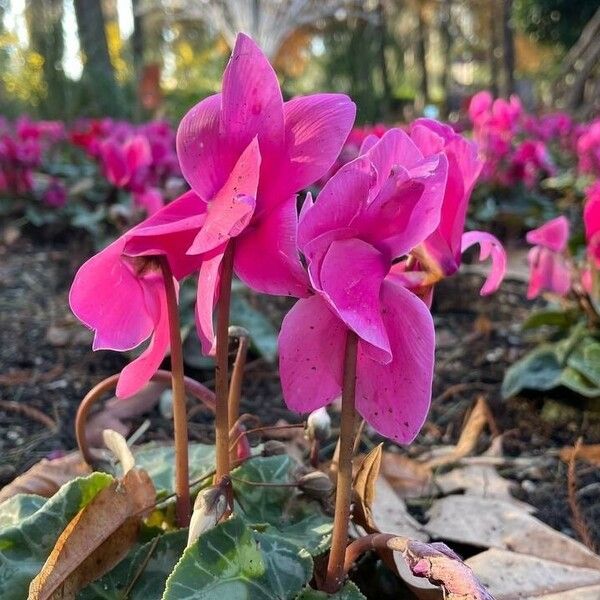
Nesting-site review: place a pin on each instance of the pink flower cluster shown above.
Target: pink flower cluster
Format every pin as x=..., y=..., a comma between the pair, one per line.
x=137, y=158
x=383, y=230
x=22, y=149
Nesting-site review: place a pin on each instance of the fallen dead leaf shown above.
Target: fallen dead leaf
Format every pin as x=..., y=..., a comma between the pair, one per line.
x=409, y=477
x=97, y=539
x=512, y=575
x=492, y=523
x=364, y=489
x=47, y=476
x=479, y=417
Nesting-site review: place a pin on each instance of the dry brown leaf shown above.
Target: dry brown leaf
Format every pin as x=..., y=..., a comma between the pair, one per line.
x=488, y=522
x=511, y=575
x=97, y=538
x=589, y=453
x=478, y=418
x=364, y=488
x=47, y=476
x=409, y=478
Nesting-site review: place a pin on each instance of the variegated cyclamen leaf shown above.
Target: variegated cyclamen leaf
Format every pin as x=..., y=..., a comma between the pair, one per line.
x=348, y=592
x=235, y=562
x=24, y=547
x=160, y=556
x=18, y=508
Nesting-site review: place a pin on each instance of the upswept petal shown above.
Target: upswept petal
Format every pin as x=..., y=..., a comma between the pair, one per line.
x=408, y=207
x=315, y=128
x=252, y=104
x=115, y=167
x=102, y=295
x=311, y=355
x=139, y=371
x=395, y=398
x=368, y=143
x=231, y=209
x=351, y=275
x=170, y=231
x=206, y=156
x=548, y=272
x=591, y=212
x=266, y=256
x=137, y=153
x=489, y=247
x=553, y=234
x=395, y=148
x=206, y=298
x=352, y=183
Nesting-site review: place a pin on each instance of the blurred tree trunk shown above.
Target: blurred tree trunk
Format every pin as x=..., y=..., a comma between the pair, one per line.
x=137, y=51
x=98, y=71
x=446, y=37
x=44, y=24
x=421, y=56
x=385, y=76
x=508, y=48
x=492, y=58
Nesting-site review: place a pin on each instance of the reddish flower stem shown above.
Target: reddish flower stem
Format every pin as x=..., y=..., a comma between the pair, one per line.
x=374, y=541
x=343, y=496
x=182, y=506
x=237, y=378
x=222, y=366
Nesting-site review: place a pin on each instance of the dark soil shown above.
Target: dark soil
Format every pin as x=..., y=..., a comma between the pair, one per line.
x=46, y=363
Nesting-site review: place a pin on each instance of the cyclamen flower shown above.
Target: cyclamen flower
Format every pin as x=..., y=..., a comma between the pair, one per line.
x=374, y=210
x=591, y=219
x=548, y=267
x=120, y=293
x=442, y=250
x=246, y=154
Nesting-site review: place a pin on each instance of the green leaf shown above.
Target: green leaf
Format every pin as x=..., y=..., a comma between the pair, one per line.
x=157, y=559
x=233, y=562
x=554, y=318
x=263, y=333
x=159, y=461
x=579, y=383
x=585, y=358
x=348, y=592
x=538, y=370
x=281, y=510
x=25, y=546
x=18, y=508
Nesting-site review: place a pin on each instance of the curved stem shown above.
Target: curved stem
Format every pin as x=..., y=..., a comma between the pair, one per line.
x=374, y=541
x=180, y=424
x=237, y=378
x=343, y=495
x=192, y=387
x=222, y=366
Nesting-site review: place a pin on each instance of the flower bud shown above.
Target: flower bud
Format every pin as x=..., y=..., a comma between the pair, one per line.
x=315, y=484
x=209, y=507
x=318, y=425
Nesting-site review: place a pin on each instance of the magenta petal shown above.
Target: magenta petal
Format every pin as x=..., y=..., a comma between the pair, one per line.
x=266, y=254
x=137, y=152
x=395, y=398
x=489, y=247
x=138, y=372
x=206, y=157
x=206, y=299
x=367, y=144
x=316, y=127
x=351, y=276
x=170, y=231
x=113, y=160
x=552, y=235
x=109, y=298
x=339, y=202
x=311, y=354
x=252, y=103
x=548, y=272
x=231, y=210
x=408, y=207
x=591, y=211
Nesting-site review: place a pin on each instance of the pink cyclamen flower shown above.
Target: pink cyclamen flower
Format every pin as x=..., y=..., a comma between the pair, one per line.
x=591, y=219
x=374, y=210
x=120, y=292
x=121, y=161
x=548, y=267
x=443, y=249
x=246, y=154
